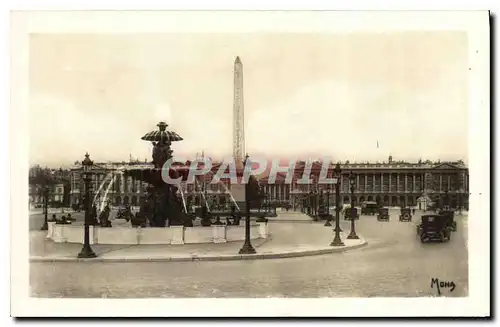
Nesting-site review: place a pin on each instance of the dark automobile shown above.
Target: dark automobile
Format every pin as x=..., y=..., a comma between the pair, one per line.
x=434, y=228
x=369, y=208
x=348, y=212
x=451, y=219
x=324, y=213
x=405, y=214
x=383, y=214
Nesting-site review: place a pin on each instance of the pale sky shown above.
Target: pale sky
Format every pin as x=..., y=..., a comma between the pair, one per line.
x=305, y=95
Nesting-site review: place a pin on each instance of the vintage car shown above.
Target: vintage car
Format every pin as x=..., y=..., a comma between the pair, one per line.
x=348, y=212
x=451, y=221
x=434, y=228
x=322, y=211
x=383, y=214
x=405, y=214
x=369, y=208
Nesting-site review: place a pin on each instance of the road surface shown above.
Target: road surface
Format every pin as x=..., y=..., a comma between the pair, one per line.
x=394, y=264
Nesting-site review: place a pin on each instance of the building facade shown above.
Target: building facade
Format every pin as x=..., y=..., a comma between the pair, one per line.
x=56, y=180
x=391, y=183
x=56, y=193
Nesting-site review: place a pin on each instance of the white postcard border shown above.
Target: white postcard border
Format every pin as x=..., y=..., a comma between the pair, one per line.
x=474, y=23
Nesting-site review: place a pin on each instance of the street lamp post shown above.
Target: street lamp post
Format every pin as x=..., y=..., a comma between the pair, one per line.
x=328, y=223
x=316, y=200
x=87, y=251
x=308, y=203
x=45, y=191
x=45, y=207
x=247, y=247
x=44, y=180
x=352, y=235
x=337, y=241
x=460, y=201
x=313, y=196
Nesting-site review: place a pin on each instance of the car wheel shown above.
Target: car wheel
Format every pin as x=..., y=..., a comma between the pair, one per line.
x=423, y=238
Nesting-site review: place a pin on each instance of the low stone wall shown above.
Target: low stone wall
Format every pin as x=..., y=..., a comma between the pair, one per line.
x=153, y=235
x=237, y=233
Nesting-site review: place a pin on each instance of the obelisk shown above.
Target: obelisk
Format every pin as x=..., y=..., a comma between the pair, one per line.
x=238, y=113
x=238, y=190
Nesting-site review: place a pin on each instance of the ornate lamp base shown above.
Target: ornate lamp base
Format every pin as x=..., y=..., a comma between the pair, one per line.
x=353, y=236
x=337, y=242
x=86, y=252
x=247, y=249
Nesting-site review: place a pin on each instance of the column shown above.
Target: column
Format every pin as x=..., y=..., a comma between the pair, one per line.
x=414, y=182
x=122, y=182
x=449, y=182
x=357, y=183
x=381, y=182
x=397, y=182
x=406, y=182
x=440, y=182
x=366, y=182
x=373, y=188
x=390, y=181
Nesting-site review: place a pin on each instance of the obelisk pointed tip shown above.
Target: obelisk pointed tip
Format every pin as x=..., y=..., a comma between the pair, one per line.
x=237, y=60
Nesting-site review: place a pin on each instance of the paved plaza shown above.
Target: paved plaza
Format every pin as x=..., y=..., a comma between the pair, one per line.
x=393, y=263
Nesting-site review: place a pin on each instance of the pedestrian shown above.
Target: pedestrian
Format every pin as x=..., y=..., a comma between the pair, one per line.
x=61, y=221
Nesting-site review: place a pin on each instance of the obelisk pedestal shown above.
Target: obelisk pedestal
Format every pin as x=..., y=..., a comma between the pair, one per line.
x=239, y=194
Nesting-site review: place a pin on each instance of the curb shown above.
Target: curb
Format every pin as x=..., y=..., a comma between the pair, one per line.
x=230, y=257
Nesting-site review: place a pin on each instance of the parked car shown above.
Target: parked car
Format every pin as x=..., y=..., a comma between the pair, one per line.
x=369, y=208
x=434, y=228
x=405, y=214
x=450, y=214
x=351, y=212
x=383, y=214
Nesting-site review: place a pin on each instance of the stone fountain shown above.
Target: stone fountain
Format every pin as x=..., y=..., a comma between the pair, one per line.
x=160, y=207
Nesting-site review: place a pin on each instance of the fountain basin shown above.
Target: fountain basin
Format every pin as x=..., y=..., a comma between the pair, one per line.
x=156, y=235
